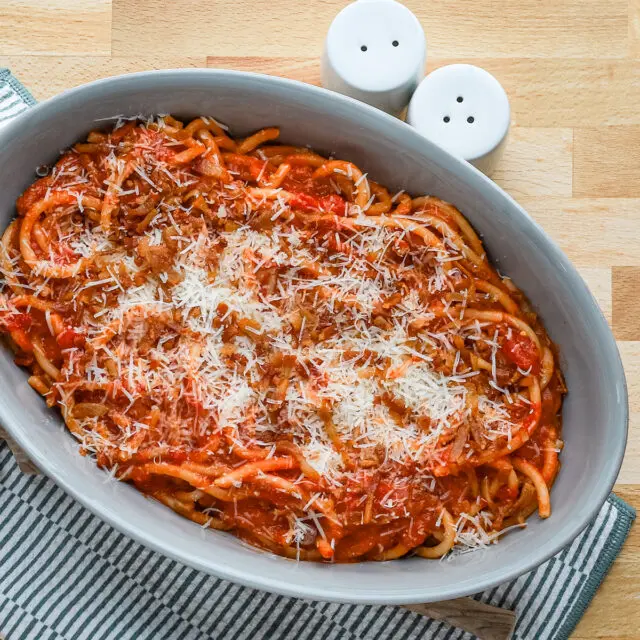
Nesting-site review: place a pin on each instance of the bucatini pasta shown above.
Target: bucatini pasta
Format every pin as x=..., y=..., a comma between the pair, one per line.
x=271, y=343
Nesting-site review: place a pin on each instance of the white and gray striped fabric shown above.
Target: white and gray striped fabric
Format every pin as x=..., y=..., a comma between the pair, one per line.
x=66, y=575
x=14, y=98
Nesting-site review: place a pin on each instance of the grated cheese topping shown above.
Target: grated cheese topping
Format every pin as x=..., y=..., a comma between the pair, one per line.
x=227, y=317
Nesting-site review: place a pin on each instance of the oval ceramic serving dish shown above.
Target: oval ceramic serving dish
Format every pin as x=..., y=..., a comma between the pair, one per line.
x=595, y=409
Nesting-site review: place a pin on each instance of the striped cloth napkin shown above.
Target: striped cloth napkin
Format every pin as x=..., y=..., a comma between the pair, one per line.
x=14, y=98
x=66, y=575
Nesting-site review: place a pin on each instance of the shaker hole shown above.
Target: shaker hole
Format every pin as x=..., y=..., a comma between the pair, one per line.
x=395, y=43
x=459, y=99
x=470, y=119
x=363, y=47
x=446, y=119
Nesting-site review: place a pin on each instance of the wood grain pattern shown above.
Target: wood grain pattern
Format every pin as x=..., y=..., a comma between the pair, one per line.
x=599, y=282
x=630, y=354
x=634, y=28
x=262, y=28
x=600, y=92
x=594, y=232
x=537, y=162
x=305, y=69
x=556, y=92
x=630, y=472
x=55, y=27
x=46, y=76
x=484, y=621
x=606, y=161
x=572, y=72
x=626, y=303
x=488, y=29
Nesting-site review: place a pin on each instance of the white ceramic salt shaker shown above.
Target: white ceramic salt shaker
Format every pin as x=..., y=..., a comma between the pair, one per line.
x=465, y=110
x=375, y=51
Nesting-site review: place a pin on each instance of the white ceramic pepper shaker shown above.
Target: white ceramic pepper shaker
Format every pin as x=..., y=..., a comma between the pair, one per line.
x=465, y=110
x=375, y=51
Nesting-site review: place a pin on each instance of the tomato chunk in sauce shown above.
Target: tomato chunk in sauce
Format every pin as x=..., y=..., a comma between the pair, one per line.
x=330, y=204
x=521, y=350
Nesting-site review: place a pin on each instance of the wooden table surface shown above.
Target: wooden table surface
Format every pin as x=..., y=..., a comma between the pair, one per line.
x=571, y=69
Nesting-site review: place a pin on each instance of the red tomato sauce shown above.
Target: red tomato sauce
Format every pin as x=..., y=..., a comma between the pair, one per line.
x=330, y=204
x=520, y=350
